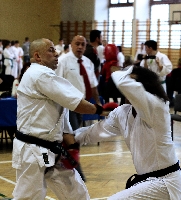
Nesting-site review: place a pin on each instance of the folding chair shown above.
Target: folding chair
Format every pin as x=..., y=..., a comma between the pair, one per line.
x=86, y=117
x=177, y=108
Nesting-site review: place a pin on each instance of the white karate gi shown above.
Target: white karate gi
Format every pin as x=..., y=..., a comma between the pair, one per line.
x=59, y=48
x=8, y=61
x=121, y=59
x=152, y=65
x=20, y=54
x=14, y=51
x=148, y=136
x=1, y=53
x=41, y=98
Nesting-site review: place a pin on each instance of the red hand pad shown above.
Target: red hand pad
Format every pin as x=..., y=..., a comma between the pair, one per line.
x=110, y=106
x=75, y=155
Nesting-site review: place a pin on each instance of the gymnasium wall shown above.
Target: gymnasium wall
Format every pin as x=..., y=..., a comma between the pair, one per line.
x=29, y=18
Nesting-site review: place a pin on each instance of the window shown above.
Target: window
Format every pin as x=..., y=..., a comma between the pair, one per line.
x=118, y=15
x=153, y=2
x=164, y=27
x=120, y=3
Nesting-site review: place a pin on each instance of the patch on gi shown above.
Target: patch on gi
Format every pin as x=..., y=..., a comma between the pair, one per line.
x=45, y=157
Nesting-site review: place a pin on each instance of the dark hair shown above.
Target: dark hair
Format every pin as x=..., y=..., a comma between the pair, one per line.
x=25, y=66
x=16, y=42
x=119, y=48
x=152, y=44
x=66, y=47
x=150, y=81
x=128, y=61
x=26, y=39
x=94, y=34
x=12, y=42
x=6, y=43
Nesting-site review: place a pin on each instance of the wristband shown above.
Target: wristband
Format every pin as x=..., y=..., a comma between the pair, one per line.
x=99, y=109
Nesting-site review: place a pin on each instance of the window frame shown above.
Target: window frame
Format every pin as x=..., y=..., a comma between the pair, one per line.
x=152, y=2
x=112, y=5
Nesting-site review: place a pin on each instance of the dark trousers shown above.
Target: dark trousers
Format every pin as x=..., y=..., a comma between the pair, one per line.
x=75, y=120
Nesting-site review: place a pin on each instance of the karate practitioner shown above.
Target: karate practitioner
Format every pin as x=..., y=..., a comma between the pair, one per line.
x=43, y=100
x=145, y=125
x=161, y=65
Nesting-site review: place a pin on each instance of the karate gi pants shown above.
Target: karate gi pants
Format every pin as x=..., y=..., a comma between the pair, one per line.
x=32, y=182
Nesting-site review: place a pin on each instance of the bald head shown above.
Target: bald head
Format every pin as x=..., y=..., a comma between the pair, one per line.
x=42, y=51
x=38, y=46
x=78, y=45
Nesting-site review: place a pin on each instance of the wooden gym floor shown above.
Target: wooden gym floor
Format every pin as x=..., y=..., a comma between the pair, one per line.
x=106, y=167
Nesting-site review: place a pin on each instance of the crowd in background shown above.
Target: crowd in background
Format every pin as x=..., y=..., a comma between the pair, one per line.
x=13, y=57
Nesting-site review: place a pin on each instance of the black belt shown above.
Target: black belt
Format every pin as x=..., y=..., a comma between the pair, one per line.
x=162, y=172
x=55, y=147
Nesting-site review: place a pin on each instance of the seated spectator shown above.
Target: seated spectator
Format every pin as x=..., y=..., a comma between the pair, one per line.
x=17, y=80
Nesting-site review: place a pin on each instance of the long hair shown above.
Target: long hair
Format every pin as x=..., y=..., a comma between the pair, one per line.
x=150, y=81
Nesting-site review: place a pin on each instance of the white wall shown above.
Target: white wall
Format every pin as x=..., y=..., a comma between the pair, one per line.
x=101, y=10
x=141, y=10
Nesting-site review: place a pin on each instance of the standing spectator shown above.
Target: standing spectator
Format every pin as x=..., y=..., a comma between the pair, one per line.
x=70, y=68
x=1, y=56
x=139, y=53
x=17, y=80
x=60, y=47
x=66, y=49
x=20, y=54
x=109, y=88
x=8, y=58
x=121, y=57
x=100, y=52
x=156, y=62
x=91, y=50
x=14, y=51
x=104, y=42
x=25, y=47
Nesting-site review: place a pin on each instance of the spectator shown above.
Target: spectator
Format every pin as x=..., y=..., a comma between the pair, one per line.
x=25, y=47
x=121, y=57
x=60, y=47
x=8, y=58
x=70, y=69
x=91, y=50
x=17, y=80
x=20, y=54
x=156, y=62
x=1, y=56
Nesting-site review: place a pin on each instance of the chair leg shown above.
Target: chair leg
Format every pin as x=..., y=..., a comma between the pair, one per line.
x=172, y=128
